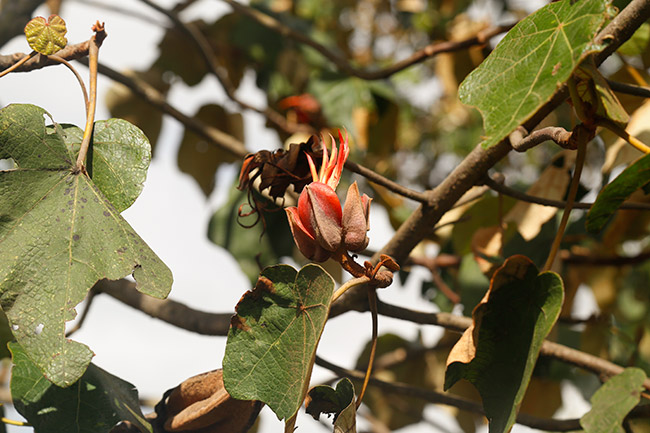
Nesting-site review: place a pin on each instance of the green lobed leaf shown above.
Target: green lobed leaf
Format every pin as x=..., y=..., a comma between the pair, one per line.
x=509, y=328
x=339, y=402
x=274, y=334
x=121, y=154
x=93, y=404
x=346, y=422
x=613, y=401
x=616, y=192
x=531, y=62
x=46, y=36
x=58, y=235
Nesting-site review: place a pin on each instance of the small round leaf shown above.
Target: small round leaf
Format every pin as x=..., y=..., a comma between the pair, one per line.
x=46, y=36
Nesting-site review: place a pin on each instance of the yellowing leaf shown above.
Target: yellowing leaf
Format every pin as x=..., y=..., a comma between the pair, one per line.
x=592, y=98
x=46, y=36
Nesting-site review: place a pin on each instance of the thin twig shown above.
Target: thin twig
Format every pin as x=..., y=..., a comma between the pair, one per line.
x=170, y=311
x=82, y=319
x=511, y=192
x=579, y=259
x=573, y=191
x=343, y=65
x=551, y=133
x=117, y=9
x=432, y=266
x=70, y=52
x=77, y=76
x=207, y=54
x=372, y=302
x=18, y=64
x=629, y=89
x=155, y=98
x=386, y=183
x=449, y=399
x=594, y=364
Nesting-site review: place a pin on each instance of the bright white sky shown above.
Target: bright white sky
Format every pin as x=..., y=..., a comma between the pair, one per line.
x=172, y=216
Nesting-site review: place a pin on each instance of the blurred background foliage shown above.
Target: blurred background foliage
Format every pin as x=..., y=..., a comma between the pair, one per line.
x=411, y=128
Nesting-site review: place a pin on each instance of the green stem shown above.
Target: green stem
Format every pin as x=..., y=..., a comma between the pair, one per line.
x=348, y=285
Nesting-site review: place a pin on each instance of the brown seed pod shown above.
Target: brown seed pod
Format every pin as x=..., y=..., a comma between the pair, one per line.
x=277, y=171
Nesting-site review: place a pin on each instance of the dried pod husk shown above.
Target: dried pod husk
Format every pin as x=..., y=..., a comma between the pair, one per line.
x=201, y=404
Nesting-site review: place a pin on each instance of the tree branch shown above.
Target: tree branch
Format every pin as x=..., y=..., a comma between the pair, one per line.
x=581, y=259
x=13, y=17
x=522, y=142
x=449, y=399
x=217, y=324
x=343, y=65
x=594, y=364
x=629, y=89
x=70, y=52
x=474, y=167
x=207, y=54
x=152, y=96
x=522, y=196
x=386, y=183
x=166, y=310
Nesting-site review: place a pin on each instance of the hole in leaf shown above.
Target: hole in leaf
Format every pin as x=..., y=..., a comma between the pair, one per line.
x=15, y=327
x=39, y=329
x=7, y=164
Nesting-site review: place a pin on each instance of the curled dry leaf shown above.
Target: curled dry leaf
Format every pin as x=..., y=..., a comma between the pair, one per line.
x=201, y=404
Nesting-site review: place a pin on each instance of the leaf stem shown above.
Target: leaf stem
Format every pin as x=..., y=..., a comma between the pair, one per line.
x=638, y=144
x=17, y=64
x=372, y=302
x=290, y=424
x=573, y=191
x=348, y=285
x=93, y=55
x=16, y=423
x=76, y=74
